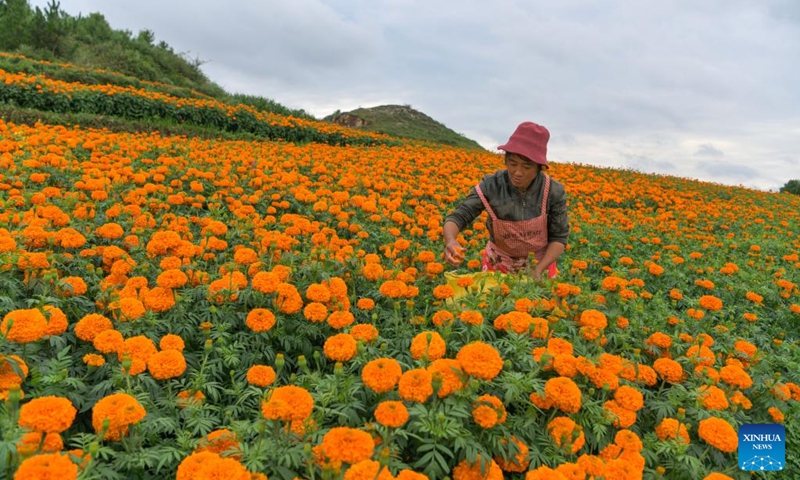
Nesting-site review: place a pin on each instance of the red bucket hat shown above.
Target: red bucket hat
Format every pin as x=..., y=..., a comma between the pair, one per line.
x=530, y=141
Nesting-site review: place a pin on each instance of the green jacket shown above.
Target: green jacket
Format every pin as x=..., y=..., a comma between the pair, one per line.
x=509, y=203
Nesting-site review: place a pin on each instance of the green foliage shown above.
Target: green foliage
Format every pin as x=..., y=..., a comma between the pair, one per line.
x=792, y=186
x=90, y=42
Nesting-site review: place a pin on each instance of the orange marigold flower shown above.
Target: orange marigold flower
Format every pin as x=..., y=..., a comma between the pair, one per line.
x=620, y=417
x=655, y=269
x=171, y=341
x=719, y=434
x=57, y=321
x=393, y=289
x=381, y=374
x=166, y=364
x=120, y=410
x=23, y=326
x=544, y=473
x=672, y=429
x=288, y=403
x=485, y=416
x=368, y=470
x=90, y=325
x=428, y=345
x=517, y=321
x=488, y=410
x=717, y=476
x=344, y=444
x=391, y=413
x=448, y=371
x=710, y=302
x=541, y=402
x=220, y=441
x=261, y=375
x=480, y=360
x=434, y=268
x=712, y=398
x=593, y=318
x=172, y=278
x=565, y=365
x=754, y=297
x=110, y=231
x=669, y=370
x=184, y=399
x=340, y=347
x=289, y=300
x=660, y=340
x=735, y=376
x=210, y=465
x=159, y=299
x=47, y=466
x=740, y=399
x=566, y=434
x=139, y=349
x=31, y=442
x=245, y=256
x=260, y=320
x=471, y=317
x=563, y=393
x=628, y=441
x=317, y=292
x=372, y=271
x=629, y=397
x=465, y=282
x=49, y=414
x=94, y=360
x=426, y=256
x=130, y=309
x=365, y=303
x=701, y=355
x=776, y=414
x=745, y=347
x=108, y=341
x=707, y=284
x=340, y=319
x=415, y=385
x=516, y=463
x=315, y=312
x=365, y=332
x=443, y=291
x=74, y=286
x=266, y=282
x=478, y=470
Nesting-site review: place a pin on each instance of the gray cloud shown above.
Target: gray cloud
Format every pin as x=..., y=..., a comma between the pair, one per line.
x=731, y=173
x=708, y=150
x=608, y=78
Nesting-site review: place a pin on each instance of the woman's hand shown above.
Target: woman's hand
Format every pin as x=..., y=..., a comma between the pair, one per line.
x=454, y=253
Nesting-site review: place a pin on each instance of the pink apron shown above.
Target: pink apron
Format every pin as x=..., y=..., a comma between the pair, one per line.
x=515, y=240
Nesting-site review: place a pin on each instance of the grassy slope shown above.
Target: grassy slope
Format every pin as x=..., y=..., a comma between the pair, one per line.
x=405, y=122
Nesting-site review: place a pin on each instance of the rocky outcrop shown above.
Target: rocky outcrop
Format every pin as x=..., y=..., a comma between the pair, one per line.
x=349, y=120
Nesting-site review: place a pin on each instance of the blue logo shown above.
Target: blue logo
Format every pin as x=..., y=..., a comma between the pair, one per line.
x=762, y=446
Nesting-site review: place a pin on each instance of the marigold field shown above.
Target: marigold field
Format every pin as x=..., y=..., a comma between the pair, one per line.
x=193, y=309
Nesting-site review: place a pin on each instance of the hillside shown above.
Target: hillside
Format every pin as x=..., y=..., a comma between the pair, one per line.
x=44, y=41
x=401, y=121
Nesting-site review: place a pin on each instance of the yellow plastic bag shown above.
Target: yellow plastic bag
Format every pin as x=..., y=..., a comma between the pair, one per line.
x=477, y=283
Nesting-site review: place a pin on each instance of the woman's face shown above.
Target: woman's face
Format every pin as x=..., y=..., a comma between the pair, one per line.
x=521, y=171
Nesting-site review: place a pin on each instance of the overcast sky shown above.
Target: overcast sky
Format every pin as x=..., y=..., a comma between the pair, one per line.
x=705, y=89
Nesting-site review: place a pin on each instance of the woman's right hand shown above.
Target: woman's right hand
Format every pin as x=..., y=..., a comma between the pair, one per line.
x=454, y=253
